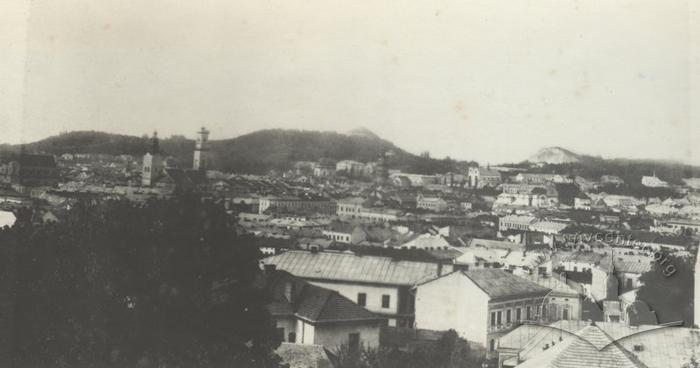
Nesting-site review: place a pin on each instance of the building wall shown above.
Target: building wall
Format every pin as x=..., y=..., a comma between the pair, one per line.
x=334, y=335
x=374, y=295
x=305, y=332
x=289, y=325
x=558, y=303
x=453, y=302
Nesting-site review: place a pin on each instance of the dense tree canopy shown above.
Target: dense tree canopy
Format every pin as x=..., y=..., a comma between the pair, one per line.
x=668, y=289
x=121, y=285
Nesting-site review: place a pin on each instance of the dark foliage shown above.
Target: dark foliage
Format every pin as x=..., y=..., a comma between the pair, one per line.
x=450, y=351
x=670, y=296
x=116, y=285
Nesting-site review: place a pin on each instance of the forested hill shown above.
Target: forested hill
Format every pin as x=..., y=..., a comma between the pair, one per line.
x=257, y=152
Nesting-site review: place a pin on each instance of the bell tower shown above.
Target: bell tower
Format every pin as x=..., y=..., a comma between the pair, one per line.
x=152, y=163
x=201, y=149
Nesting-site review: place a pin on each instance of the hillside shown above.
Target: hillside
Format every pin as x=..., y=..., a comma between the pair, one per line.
x=554, y=155
x=257, y=152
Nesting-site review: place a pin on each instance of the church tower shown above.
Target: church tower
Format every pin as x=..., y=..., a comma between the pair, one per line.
x=152, y=166
x=200, y=150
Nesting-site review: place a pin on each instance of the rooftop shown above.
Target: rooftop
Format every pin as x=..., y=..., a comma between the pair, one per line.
x=500, y=284
x=354, y=268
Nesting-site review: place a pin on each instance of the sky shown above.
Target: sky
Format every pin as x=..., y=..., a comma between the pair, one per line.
x=488, y=80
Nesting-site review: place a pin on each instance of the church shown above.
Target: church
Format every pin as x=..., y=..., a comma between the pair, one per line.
x=156, y=171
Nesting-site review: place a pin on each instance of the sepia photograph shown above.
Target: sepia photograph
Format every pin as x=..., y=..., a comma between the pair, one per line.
x=349, y=184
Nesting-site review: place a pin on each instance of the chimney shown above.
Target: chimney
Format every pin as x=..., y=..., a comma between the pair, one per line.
x=289, y=291
x=269, y=268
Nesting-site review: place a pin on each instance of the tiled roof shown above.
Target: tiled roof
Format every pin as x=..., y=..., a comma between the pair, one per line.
x=311, y=302
x=353, y=268
x=649, y=346
x=590, y=347
x=500, y=284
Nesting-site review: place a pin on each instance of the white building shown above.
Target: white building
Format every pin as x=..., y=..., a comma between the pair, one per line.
x=380, y=284
x=653, y=182
x=480, y=305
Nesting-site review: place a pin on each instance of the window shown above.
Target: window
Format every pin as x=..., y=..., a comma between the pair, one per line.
x=492, y=345
x=493, y=318
x=386, y=301
x=354, y=341
x=498, y=317
x=361, y=299
x=292, y=337
x=565, y=314
x=508, y=316
x=528, y=313
x=518, y=314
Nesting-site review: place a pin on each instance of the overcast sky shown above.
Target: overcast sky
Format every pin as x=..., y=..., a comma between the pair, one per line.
x=488, y=80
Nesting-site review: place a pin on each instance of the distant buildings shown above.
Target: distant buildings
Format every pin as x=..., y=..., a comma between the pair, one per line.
x=29, y=170
x=324, y=168
x=296, y=204
x=350, y=168
x=345, y=233
x=354, y=208
x=434, y=204
x=479, y=177
x=542, y=178
x=653, y=182
x=515, y=222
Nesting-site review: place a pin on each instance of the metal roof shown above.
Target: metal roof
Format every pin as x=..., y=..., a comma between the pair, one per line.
x=354, y=268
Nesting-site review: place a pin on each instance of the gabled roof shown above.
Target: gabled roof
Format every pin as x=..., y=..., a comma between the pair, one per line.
x=590, y=347
x=310, y=302
x=499, y=284
x=354, y=268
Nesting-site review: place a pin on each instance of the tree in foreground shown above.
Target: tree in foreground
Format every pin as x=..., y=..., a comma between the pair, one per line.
x=450, y=351
x=124, y=285
x=668, y=289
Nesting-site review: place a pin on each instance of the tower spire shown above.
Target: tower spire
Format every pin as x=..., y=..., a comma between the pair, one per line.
x=200, y=151
x=155, y=144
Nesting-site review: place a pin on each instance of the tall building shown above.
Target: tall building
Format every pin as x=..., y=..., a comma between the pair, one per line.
x=152, y=167
x=200, y=150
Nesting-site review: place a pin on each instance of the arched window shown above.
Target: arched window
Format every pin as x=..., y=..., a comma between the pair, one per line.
x=492, y=345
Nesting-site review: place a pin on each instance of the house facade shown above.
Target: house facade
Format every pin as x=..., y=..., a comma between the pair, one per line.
x=481, y=305
x=380, y=284
x=311, y=315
